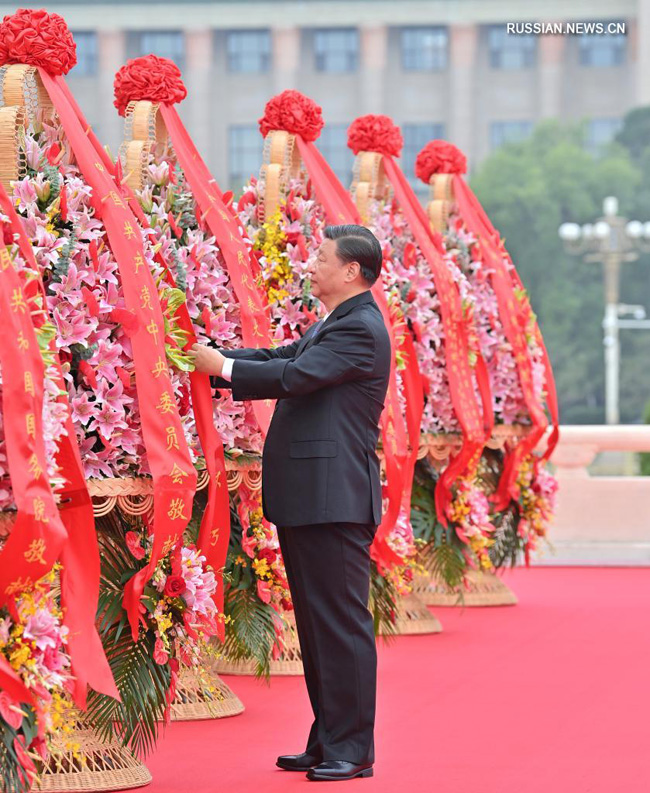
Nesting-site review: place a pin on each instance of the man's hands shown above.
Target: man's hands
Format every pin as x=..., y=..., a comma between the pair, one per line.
x=207, y=359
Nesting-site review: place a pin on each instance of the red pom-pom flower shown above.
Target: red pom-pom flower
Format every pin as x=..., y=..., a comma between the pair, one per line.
x=37, y=39
x=375, y=133
x=439, y=156
x=293, y=112
x=150, y=77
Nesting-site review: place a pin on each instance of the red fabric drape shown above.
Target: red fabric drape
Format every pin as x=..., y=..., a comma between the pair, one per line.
x=80, y=554
x=174, y=476
x=214, y=532
x=476, y=423
x=515, y=316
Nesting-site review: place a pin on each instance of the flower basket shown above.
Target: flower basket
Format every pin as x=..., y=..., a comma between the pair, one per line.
x=203, y=695
x=413, y=617
x=289, y=662
x=482, y=589
x=93, y=765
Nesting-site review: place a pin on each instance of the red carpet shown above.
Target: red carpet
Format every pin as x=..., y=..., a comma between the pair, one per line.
x=549, y=696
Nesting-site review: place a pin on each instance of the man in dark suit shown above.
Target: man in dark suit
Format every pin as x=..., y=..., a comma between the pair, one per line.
x=322, y=490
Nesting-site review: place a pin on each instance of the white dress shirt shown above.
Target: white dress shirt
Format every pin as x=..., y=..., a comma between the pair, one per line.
x=226, y=371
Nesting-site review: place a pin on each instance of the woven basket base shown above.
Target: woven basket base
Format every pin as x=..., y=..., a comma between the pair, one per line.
x=203, y=696
x=485, y=589
x=289, y=663
x=413, y=617
x=95, y=766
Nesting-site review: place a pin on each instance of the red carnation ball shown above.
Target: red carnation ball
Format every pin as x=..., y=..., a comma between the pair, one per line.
x=37, y=39
x=293, y=112
x=175, y=586
x=375, y=133
x=439, y=156
x=150, y=77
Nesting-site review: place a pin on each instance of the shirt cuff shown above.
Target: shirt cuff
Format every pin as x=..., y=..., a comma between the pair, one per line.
x=226, y=371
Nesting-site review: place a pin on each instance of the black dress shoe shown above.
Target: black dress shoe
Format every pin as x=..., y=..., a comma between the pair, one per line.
x=297, y=762
x=338, y=770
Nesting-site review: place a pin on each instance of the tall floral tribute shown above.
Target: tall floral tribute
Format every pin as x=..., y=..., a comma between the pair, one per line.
x=120, y=335
x=521, y=377
x=440, y=308
x=226, y=308
x=285, y=216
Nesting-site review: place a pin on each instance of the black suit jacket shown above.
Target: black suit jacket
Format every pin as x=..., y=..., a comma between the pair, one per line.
x=320, y=462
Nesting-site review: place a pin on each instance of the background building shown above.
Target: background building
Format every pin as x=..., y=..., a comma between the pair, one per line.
x=439, y=68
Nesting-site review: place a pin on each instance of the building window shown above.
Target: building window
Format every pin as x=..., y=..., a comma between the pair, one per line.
x=604, y=50
x=244, y=154
x=600, y=132
x=249, y=51
x=424, y=49
x=86, y=54
x=416, y=136
x=509, y=132
x=510, y=51
x=336, y=50
x=333, y=143
x=164, y=43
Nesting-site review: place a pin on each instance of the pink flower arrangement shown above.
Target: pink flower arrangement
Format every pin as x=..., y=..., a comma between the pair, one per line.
x=33, y=642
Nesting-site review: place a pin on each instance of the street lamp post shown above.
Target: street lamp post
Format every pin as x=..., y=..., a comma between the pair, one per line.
x=611, y=240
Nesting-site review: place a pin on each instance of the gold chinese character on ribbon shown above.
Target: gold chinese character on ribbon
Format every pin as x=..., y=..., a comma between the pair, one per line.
x=129, y=233
x=138, y=261
x=5, y=258
x=18, y=586
x=35, y=552
x=39, y=510
x=23, y=344
x=214, y=537
x=153, y=329
x=18, y=301
x=30, y=425
x=166, y=404
x=172, y=438
x=29, y=383
x=99, y=166
x=34, y=467
x=256, y=329
x=177, y=474
x=117, y=200
x=159, y=368
x=175, y=510
x=145, y=296
x=170, y=542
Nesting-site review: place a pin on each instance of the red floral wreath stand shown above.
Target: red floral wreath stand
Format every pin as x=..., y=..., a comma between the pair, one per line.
x=144, y=131
x=480, y=588
x=282, y=163
x=95, y=764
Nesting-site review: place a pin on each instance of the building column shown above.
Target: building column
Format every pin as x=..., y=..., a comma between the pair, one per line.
x=111, y=56
x=195, y=109
x=463, y=48
x=286, y=58
x=641, y=45
x=551, y=55
x=374, y=46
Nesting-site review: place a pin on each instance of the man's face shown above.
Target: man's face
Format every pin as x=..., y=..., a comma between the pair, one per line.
x=329, y=275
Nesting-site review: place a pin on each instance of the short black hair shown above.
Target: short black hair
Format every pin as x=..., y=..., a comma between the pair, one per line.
x=358, y=244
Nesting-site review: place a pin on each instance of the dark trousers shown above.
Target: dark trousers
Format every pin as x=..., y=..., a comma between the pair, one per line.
x=328, y=570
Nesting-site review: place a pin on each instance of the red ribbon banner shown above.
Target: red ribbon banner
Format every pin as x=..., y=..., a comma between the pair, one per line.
x=214, y=532
x=516, y=316
x=256, y=328
x=174, y=476
x=80, y=554
x=476, y=423
x=38, y=535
